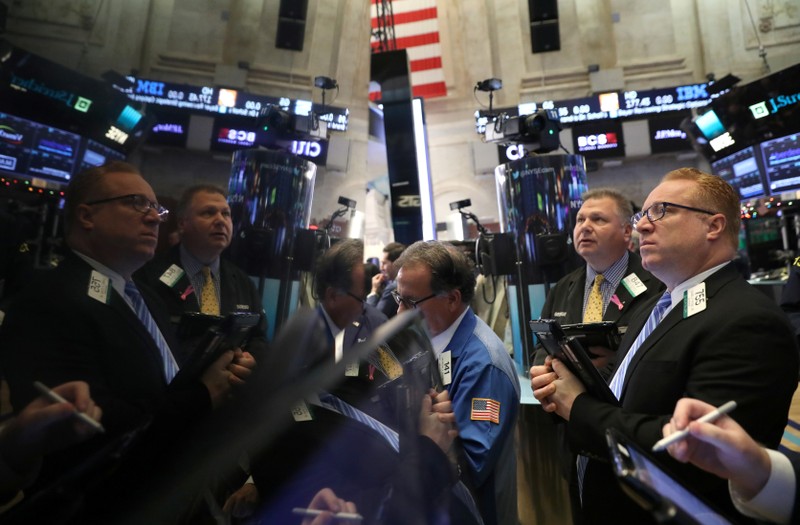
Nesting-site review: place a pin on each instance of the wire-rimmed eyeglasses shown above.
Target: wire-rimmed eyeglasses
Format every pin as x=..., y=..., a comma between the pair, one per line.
x=657, y=211
x=139, y=203
x=410, y=304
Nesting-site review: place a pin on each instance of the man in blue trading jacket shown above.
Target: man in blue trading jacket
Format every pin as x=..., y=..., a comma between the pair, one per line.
x=601, y=237
x=384, y=283
x=192, y=277
x=477, y=371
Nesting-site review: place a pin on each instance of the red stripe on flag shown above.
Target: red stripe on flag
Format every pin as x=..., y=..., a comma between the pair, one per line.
x=435, y=89
x=412, y=41
x=426, y=63
x=411, y=16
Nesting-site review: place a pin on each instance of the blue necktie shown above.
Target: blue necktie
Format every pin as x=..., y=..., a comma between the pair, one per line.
x=337, y=405
x=655, y=317
x=135, y=296
x=619, y=377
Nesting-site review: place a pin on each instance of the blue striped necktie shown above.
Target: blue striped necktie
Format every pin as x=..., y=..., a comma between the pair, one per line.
x=618, y=380
x=655, y=317
x=135, y=297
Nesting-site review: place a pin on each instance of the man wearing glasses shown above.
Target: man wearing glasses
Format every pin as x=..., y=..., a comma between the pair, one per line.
x=86, y=320
x=192, y=277
x=711, y=336
x=478, y=373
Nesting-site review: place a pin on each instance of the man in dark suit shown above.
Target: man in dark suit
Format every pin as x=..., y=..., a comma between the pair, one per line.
x=179, y=275
x=80, y=322
x=763, y=482
x=713, y=337
x=384, y=283
x=601, y=237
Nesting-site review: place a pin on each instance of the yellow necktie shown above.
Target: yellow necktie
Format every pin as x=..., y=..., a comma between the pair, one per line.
x=208, y=297
x=594, y=305
x=389, y=365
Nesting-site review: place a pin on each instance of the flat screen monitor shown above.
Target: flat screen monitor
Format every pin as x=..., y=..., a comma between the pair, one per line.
x=30, y=148
x=666, y=135
x=599, y=140
x=741, y=170
x=96, y=154
x=781, y=159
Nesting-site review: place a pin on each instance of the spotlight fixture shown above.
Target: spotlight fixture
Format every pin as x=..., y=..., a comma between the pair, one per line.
x=457, y=205
x=490, y=84
x=344, y=201
x=325, y=82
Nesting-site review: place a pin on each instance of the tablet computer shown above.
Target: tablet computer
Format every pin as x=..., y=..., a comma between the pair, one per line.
x=232, y=332
x=572, y=353
x=644, y=480
x=605, y=333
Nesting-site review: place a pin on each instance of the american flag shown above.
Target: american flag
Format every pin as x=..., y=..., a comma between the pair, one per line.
x=485, y=410
x=416, y=29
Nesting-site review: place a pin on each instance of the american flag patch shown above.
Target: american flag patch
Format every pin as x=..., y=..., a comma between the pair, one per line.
x=485, y=410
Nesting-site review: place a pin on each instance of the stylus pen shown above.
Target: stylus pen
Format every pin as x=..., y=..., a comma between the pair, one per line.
x=338, y=516
x=681, y=434
x=55, y=398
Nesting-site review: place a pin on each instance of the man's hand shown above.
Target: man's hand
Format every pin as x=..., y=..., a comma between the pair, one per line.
x=243, y=502
x=378, y=282
x=241, y=366
x=326, y=500
x=438, y=421
x=723, y=448
x=555, y=387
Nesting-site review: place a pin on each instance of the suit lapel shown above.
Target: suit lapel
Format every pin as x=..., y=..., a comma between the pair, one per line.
x=674, y=318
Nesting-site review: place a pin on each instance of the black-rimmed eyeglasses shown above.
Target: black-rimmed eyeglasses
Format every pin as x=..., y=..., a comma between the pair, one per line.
x=410, y=304
x=139, y=203
x=657, y=211
x=354, y=296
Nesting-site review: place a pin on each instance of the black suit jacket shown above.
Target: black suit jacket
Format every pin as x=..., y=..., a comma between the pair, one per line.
x=237, y=294
x=54, y=333
x=740, y=347
x=565, y=301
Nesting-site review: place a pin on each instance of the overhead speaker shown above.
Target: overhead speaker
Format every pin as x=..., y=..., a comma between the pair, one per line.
x=543, y=10
x=545, y=36
x=291, y=34
x=291, y=24
x=295, y=9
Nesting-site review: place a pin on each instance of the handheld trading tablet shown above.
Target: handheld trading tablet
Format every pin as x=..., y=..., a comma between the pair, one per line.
x=572, y=353
x=654, y=489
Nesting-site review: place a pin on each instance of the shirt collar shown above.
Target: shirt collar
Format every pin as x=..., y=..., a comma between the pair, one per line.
x=331, y=325
x=678, y=291
x=613, y=274
x=117, y=281
x=440, y=342
x=193, y=266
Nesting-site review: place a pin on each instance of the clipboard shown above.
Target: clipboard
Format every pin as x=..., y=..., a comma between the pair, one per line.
x=572, y=353
x=652, y=487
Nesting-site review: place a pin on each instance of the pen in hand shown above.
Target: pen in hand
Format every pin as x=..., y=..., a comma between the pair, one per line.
x=712, y=416
x=55, y=398
x=337, y=516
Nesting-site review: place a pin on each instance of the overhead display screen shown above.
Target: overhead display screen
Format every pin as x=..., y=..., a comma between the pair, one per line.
x=781, y=158
x=665, y=132
x=599, y=140
x=227, y=101
x=741, y=170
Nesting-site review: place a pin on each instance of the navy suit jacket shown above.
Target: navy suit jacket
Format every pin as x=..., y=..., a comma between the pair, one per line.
x=741, y=347
x=385, y=302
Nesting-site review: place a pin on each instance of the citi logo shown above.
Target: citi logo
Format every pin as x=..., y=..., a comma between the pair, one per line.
x=10, y=135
